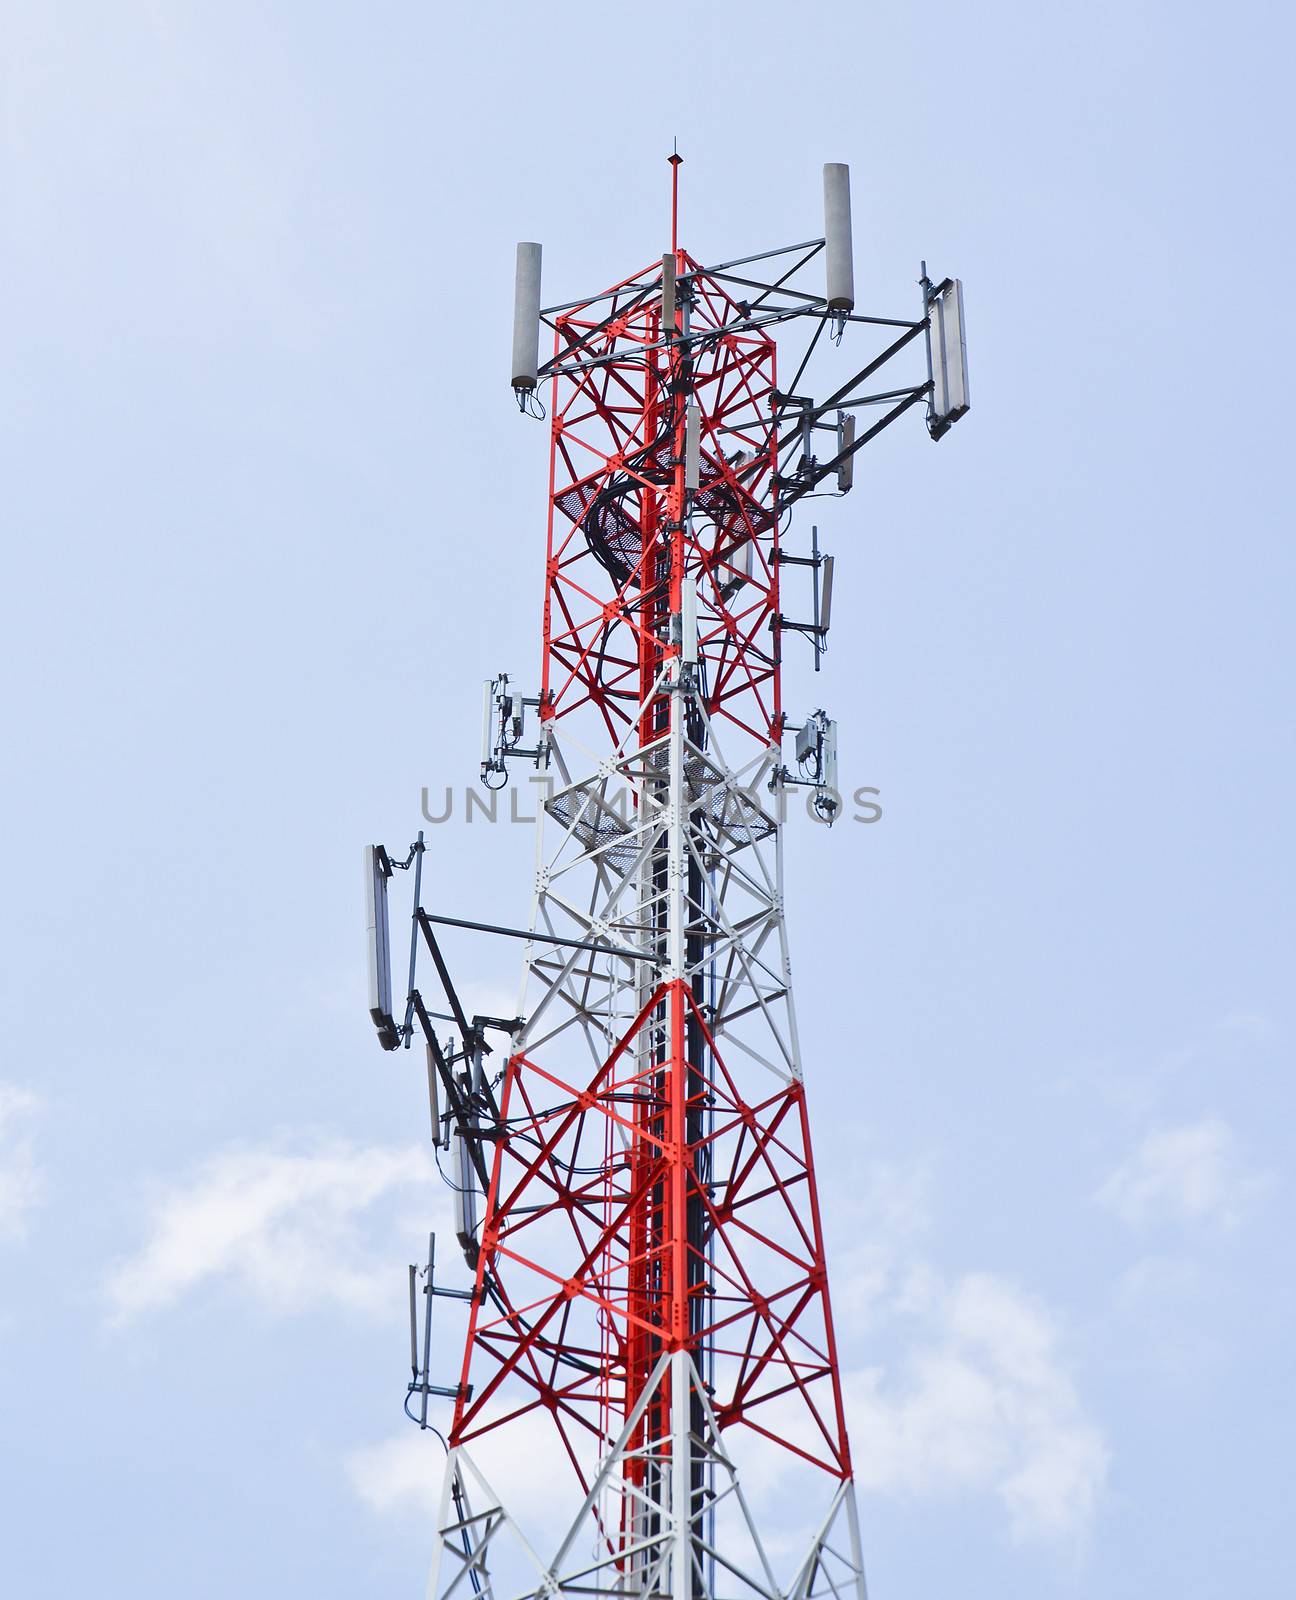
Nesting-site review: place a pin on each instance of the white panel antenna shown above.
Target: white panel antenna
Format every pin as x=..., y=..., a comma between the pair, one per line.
x=688, y=621
x=824, y=619
x=845, y=439
x=465, y=1201
x=377, y=872
x=949, y=356
x=434, y=1096
x=692, y=446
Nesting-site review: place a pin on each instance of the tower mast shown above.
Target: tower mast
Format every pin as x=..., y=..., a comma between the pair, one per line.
x=650, y=1308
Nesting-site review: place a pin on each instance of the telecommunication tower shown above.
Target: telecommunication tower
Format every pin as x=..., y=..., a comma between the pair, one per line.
x=648, y=1326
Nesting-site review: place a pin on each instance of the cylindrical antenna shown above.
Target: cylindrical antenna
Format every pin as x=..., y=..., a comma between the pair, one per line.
x=526, y=317
x=839, y=259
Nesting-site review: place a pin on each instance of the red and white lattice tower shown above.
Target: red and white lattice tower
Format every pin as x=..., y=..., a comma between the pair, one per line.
x=651, y=1316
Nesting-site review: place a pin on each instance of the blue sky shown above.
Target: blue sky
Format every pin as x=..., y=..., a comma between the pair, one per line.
x=271, y=518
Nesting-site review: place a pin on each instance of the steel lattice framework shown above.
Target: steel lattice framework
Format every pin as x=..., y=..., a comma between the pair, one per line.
x=651, y=1310
x=617, y=498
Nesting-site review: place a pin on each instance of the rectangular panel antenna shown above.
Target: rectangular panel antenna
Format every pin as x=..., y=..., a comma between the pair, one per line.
x=668, y=296
x=692, y=445
x=465, y=1198
x=488, y=721
x=688, y=621
x=828, y=756
x=824, y=619
x=949, y=355
x=434, y=1094
x=377, y=872
x=845, y=439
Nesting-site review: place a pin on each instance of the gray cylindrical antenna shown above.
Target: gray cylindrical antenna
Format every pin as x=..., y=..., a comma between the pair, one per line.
x=838, y=253
x=526, y=317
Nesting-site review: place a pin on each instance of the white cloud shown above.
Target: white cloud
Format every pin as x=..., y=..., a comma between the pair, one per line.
x=1187, y=1174
x=984, y=1403
x=881, y=1223
x=283, y=1225
x=401, y=1475
x=21, y=1183
x=974, y=1394
x=1159, y=1324
x=1248, y=1025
